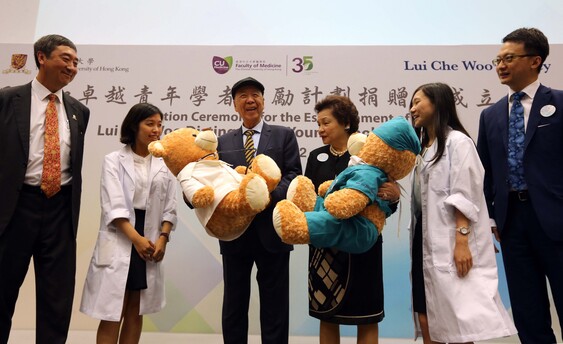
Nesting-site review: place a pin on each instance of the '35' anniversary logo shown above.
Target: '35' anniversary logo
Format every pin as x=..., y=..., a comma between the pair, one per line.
x=302, y=63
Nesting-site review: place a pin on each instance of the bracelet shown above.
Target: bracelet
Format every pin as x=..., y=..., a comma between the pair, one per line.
x=166, y=235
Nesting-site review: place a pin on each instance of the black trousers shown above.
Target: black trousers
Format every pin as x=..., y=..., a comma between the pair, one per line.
x=40, y=228
x=273, y=284
x=530, y=257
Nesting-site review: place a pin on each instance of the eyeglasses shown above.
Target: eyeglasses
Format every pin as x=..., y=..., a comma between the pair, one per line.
x=508, y=59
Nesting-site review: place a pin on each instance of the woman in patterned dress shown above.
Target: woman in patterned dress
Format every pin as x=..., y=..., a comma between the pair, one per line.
x=344, y=288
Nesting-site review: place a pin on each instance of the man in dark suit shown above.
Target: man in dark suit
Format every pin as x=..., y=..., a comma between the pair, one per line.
x=36, y=220
x=525, y=195
x=260, y=244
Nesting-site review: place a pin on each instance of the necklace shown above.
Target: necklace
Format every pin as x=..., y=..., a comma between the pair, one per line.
x=335, y=152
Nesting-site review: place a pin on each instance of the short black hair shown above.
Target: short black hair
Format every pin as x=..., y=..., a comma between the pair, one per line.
x=343, y=110
x=535, y=42
x=47, y=44
x=137, y=114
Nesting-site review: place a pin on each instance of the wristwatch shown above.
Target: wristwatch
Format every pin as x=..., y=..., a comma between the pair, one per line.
x=463, y=230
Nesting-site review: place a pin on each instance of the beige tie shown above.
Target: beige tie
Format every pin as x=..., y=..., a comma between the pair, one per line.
x=249, y=147
x=51, y=178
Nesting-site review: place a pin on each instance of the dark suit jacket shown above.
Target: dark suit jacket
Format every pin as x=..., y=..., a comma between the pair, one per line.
x=280, y=144
x=15, y=111
x=543, y=160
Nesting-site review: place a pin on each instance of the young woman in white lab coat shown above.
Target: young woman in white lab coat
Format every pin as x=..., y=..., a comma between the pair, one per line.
x=454, y=271
x=138, y=201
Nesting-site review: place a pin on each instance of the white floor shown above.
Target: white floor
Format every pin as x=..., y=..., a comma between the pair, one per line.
x=89, y=337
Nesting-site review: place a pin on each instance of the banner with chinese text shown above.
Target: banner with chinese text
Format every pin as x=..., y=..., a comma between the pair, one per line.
x=191, y=85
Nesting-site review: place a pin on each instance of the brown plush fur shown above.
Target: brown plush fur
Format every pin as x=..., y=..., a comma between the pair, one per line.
x=373, y=213
x=174, y=149
x=303, y=196
x=237, y=209
x=203, y=197
x=293, y=222
x=345, y=203
x=323, y=188
x=397, y=164
x=265, y=169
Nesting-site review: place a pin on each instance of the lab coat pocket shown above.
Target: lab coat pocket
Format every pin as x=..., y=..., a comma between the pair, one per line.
x=105, y=248
x=442, y=252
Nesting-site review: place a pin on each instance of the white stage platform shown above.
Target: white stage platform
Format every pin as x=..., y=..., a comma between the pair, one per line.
x=89, y=337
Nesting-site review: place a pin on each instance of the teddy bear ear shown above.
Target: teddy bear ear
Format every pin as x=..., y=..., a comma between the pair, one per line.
x=207, y=140
x=156, y=149
x=356, y=142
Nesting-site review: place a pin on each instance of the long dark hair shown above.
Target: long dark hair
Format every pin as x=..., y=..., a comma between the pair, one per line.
x=442, y=97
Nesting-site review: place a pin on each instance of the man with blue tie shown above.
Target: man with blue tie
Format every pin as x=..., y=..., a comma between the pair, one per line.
x=259, y=244
x=521, y=147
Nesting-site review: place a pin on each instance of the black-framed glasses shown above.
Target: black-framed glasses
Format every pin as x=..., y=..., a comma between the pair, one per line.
x=509, y=58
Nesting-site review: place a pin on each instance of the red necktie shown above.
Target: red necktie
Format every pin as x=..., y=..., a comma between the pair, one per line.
x=51, y=178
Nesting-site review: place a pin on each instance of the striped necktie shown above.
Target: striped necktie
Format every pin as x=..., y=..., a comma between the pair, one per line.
x=249, y=149
x=51, y=177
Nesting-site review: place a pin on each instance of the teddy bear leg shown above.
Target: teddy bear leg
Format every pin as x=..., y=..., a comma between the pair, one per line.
x=227, y=228
x=354, y=235
x=345, y=203
x=267, y=168
x=290, y=223
x=250, y=198
x=301, y=192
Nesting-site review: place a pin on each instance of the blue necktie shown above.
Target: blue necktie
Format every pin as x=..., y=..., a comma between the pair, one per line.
x=516, y=134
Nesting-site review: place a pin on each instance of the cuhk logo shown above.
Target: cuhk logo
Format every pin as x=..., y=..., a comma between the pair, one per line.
x=18, y=61
x=17, y=64
x=221, y=65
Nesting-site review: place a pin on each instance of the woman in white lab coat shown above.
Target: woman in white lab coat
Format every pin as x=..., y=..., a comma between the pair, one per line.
x=138, y=200
x=454, y=271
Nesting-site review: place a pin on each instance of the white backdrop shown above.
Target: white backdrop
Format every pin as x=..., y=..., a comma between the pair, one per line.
x=191, y=85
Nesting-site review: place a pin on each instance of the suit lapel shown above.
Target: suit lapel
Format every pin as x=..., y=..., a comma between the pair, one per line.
x=542, y=97
x=233, y=149
x=503, y=121
x=238, y=139
x=265, y=136
x=72, y=118
x=22, y=113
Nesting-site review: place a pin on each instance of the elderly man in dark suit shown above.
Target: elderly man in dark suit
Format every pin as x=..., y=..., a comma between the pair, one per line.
x=260, y=244
x=521, y=146
x=40, y=178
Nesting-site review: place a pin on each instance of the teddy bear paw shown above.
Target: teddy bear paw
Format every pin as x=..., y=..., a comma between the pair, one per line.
x=255, y=192
x=203, y=197
x=323, y=188
x=290, y=223
x=267, y=168
x=242, y=170
x=301, y=192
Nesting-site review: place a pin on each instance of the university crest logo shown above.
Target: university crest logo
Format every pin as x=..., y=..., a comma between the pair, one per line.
x=17, y=64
